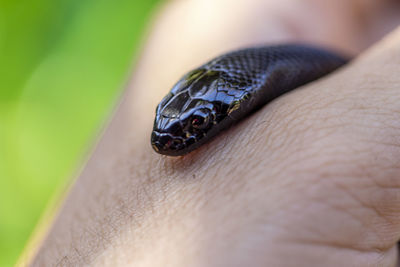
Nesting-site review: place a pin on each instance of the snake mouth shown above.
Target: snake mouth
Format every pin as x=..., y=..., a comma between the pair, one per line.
x=166, y=144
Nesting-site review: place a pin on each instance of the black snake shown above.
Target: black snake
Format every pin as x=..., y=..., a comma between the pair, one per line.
x=214, y=96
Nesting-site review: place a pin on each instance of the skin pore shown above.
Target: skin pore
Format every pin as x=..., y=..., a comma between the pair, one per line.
x=311, y=179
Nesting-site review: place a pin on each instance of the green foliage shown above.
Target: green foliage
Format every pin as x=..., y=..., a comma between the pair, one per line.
x=62, y=65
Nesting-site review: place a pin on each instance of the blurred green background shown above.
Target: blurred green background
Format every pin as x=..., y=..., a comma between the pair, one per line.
x=63, y=64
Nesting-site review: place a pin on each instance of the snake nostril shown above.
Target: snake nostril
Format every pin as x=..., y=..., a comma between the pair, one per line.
x=169, y=143
x=165, y=139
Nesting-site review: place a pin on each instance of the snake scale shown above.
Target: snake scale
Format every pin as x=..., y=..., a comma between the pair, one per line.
x=228, y=88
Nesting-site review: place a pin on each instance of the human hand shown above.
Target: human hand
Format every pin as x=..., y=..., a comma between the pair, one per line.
x=309, y=180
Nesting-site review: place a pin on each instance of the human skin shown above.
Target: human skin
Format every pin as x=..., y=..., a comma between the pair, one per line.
x=312, y=179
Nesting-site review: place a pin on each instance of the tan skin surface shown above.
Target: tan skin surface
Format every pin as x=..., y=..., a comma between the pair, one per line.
x=312, y=179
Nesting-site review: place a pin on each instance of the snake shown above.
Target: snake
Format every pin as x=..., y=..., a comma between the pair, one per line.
x=230, y=87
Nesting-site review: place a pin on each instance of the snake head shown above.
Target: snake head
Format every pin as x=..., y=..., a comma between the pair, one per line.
x=228, y=88
x=185, y=116
x=181, y=134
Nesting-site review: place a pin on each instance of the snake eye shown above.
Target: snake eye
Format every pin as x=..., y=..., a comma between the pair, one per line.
x=200, y=120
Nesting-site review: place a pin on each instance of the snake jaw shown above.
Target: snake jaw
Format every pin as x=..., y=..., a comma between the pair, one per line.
x=166, y=144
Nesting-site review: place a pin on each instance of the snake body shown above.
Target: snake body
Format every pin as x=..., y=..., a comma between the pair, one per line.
x=228, y=88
